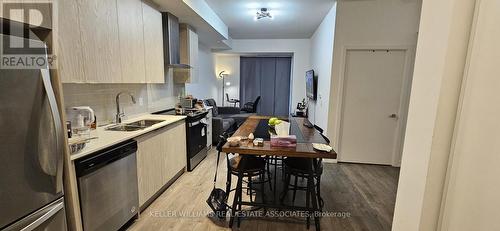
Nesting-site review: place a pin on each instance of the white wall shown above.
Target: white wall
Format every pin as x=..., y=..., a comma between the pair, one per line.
x=230, y=64
x=368, y=24
x=439, y=65
x=472, y=192
x=321, y=61
x=300, y=48
x=207, y=85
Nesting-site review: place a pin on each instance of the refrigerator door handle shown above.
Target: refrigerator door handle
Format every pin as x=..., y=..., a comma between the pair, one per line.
x=36, y=223
x=57, y=125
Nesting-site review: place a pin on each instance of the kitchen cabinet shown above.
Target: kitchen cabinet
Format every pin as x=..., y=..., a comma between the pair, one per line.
x=189, y=55
x=130, y=27
x=69, y=51
x=104, y=41
x=100, y=40
x=110, y=41
x=153, y=44
x=160, y=156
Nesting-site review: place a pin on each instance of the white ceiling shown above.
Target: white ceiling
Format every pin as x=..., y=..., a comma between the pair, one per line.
x=292, y=19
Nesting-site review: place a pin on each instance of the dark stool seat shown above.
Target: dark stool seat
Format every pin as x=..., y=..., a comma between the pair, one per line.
x=303, y=166
x=252, y=164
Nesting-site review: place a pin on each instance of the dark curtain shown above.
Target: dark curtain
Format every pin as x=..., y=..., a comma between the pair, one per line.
x=269, y=78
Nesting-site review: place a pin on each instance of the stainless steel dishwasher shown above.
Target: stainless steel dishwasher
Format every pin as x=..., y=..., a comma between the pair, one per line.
x=107, y=184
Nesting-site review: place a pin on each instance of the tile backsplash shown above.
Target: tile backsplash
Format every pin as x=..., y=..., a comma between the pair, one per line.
x=101, y=98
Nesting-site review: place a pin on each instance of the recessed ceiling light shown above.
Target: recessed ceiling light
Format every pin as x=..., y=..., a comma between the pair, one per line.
x=263, y=13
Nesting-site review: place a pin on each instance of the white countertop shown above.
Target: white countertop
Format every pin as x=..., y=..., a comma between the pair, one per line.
x=107, y=138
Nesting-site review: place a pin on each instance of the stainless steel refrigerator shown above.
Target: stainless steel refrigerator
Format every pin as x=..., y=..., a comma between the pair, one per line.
x=31, y=147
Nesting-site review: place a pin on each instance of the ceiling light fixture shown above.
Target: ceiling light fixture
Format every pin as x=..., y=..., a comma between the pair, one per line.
x=263, y=13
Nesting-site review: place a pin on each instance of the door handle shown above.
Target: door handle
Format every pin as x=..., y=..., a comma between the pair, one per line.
x=394, y=116
x=194, y=124
x=38, y=220
x=58, y=128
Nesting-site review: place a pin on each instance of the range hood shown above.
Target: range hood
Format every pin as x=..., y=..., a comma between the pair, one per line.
x=171, y=42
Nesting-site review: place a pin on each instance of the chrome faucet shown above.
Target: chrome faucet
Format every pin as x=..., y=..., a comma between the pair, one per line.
x=119, y=113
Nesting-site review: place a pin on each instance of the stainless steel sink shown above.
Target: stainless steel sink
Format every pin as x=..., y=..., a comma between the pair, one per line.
x=124, y=128
x=145, y=123
x=134, y=126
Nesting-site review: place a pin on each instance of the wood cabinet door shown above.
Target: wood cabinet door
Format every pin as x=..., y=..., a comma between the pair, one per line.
x=99, y=37
x=69, y=50
x=130, y=27
x=153, y=44
x=193, y=56
x=189, y=55
x=161, y=155
x=151, y=164
x=177, y=152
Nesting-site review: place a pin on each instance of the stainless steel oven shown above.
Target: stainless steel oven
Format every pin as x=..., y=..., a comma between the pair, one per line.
x=107, y=184
x=196, y=139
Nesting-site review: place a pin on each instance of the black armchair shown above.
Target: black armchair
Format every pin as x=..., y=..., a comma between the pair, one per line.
x=251, y=107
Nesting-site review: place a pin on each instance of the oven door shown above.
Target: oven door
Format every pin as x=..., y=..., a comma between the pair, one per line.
x=196, y=138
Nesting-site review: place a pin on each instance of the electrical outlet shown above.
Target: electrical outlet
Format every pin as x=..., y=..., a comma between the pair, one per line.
x=141, y=101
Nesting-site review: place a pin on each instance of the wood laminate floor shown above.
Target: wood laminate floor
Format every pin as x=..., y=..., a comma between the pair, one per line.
x=357, y=197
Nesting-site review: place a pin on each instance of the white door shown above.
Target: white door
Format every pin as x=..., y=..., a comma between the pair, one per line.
x=373, y=85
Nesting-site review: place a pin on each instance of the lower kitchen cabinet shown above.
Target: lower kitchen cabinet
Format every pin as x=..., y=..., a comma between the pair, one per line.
x=160, y=156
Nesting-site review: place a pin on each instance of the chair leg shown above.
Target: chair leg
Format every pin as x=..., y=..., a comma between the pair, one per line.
x=269, y=178
x=285, y=187
x=237, y=194
x=239, y=208
x=314, y=201
x=295, y=189
x=318, y=192
x=262, y=188
x=308, y=222
x=228, y=184
x=282, y=165
x=250, y=188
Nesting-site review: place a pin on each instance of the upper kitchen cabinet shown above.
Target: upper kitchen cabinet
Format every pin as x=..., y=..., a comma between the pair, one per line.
x=130, y=27
x=100, y=41
x=153, y=44
x=188, y=55
x=109, y=41
x=69, y=50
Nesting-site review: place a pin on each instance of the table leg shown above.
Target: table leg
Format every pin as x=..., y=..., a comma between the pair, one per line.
x=237, y=193
x=311, y=189
x=275, y=179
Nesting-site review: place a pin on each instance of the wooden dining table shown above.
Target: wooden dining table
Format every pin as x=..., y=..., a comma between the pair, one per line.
x=305, y=135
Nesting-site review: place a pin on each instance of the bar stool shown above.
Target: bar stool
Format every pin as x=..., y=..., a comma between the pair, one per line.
x=254, y=167
x=302, y=168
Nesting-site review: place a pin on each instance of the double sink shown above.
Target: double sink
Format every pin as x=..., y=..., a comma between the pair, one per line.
x=134, y=126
